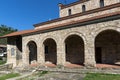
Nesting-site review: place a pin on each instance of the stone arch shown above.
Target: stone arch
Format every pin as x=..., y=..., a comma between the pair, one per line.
x=74, y=33
x=112, y=27
x=32, y=52
x=49, y=45
x=107, y=45
x=26, y=41
x=49, y=37
x=74, y=48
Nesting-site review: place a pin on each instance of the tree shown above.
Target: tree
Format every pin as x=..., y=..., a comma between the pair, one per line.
x=5, y=30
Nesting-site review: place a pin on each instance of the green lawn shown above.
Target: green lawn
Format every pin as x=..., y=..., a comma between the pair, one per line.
x=10, y=75
x=97, y=76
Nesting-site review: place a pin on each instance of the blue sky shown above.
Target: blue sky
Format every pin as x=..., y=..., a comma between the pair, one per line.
x=22, y=14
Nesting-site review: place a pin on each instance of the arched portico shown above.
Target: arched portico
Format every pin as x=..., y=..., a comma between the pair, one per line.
x=50, y=51
x=74, y=49
x=32, y=52
x=107, y=44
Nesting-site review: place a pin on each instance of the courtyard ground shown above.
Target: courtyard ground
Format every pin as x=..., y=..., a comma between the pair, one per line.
x=53, y=72
x=45, y=75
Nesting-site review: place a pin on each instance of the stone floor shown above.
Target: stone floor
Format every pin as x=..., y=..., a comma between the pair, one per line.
x=73, y=65
x=50, y=65
x=66, y=65
x=81, y=66
x=68, y=72
x=107, y=66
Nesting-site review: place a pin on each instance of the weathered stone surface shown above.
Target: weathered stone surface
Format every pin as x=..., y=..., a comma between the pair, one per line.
x=83, y=53
x=90, y=4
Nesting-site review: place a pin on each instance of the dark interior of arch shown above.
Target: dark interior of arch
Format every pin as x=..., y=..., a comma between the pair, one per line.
x=74, y=49
x=50, y=51
x=107, y=47
x=32, y=52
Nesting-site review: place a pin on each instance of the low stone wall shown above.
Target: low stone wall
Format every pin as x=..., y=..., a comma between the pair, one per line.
x=81, y=71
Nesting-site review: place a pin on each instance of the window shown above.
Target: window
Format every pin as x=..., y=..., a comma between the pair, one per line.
x=83, y=8
x=101, y=3
x=46, y=49
x=12, y=51
x=69, y=12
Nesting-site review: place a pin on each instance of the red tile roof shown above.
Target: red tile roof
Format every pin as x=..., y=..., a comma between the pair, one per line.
x=61, y=25
x=17, y=33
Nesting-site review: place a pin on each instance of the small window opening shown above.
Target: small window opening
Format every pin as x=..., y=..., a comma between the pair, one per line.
x=69, y=12
x=101, y=3
x=83, y=8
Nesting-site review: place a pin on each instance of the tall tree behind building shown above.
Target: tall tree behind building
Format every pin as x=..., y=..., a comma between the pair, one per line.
x=5, y=30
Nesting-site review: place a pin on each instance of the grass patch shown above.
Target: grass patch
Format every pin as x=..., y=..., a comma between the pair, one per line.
x=10, y=75
x=2, y=62
x=98, y=76
x=35, y=76
x=42, y=73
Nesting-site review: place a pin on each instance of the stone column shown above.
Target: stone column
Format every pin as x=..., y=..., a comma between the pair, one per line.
x=61, y=54
x=25, y=53
x=41, y=55
x=89, y=60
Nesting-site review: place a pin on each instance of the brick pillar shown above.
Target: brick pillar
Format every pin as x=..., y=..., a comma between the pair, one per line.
x=61, y=54
x=89, y=60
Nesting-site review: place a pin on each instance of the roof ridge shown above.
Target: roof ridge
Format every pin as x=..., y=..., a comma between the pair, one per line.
x=57, y=26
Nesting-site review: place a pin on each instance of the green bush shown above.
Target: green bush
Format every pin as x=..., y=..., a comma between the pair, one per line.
x=43, y=73
x=2, y=62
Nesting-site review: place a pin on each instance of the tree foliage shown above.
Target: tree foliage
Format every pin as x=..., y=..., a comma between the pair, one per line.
x=5, y=30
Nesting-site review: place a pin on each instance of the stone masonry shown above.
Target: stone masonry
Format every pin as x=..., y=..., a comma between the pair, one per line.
x=85, y=43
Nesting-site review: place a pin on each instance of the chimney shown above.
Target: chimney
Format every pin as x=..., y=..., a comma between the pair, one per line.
x=60, y=5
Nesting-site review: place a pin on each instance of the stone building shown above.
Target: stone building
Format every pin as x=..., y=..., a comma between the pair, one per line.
x=86, y=33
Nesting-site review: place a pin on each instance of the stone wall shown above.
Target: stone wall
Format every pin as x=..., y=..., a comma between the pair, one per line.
x=109, y=43
x=91, y=4
x=87, y=32
x=79, y=18
x=14, y=50
x=81, y=50
x=11, y=52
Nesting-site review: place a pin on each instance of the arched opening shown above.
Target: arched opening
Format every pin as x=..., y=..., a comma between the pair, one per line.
x=74, y=50
x=50, y=51
x=32, y=49
x=107, y=47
